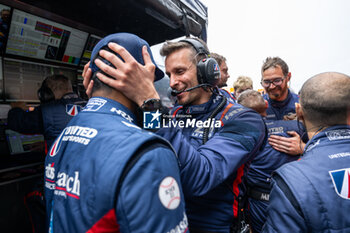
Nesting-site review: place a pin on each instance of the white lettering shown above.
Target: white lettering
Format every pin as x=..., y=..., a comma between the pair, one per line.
x=190, y=123
x=70, y=183
x=199, y=124
x=181, y=227
x=50, y=171
x=181, y=124
x=61, y=179
x=339, y=155
x=76, y=185
x=217, y=124
x=70, y=179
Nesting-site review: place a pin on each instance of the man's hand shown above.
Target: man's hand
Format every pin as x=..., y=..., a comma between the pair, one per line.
x=292, y=146
x=133, y=79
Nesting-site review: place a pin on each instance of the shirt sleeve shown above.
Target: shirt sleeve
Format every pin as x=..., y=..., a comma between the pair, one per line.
x=208, y=165
x=25, y=122
x=151, y=198
x=282, y=214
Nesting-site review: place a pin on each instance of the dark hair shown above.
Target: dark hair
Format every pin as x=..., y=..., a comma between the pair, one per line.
x=98, y=85
x=325, y=99
x=274, y=62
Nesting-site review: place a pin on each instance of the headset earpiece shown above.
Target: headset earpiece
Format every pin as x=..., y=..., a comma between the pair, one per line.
x=45, y=94
x=208, y=71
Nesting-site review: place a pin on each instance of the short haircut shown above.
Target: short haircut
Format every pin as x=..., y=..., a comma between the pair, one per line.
x=243, y=82
x=275, y=62
x=325, y=99
x=170, y=47
x=59, y=83
x=219, y=58
x=252, y=99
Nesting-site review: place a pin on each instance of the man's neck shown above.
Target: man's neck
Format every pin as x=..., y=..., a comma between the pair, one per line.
x=117, y=96
x=313, y=130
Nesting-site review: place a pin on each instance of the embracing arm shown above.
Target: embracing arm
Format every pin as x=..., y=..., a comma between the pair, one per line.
x=206, y=166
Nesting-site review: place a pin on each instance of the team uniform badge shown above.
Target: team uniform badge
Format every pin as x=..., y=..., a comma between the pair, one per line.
x=341, y=179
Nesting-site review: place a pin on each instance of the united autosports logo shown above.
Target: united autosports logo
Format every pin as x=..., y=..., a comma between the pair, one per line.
x=57, y=144
x=72, y=109
x=341, y=179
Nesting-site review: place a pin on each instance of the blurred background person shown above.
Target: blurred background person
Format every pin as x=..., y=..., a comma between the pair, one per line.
x=241, y=84
x=58, y=105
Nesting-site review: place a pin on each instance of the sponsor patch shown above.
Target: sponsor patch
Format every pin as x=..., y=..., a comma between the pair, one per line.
x=67, y=185
x=72, y=109
x=94, y=104
x=341, y=179
x=276, y=130
x=339, y=155
x=338, y=134
x=79, y=134
x=122, y=113
x=169, y=193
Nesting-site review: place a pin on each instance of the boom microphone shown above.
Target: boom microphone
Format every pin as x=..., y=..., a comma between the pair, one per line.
x=175, y=92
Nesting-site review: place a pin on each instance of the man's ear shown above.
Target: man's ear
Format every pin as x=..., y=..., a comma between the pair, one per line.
x=289, y=75
x=266, y=104
x=299, y=111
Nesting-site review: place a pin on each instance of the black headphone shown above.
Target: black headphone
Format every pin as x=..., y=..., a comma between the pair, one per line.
x=45, y=94
x=208, y=71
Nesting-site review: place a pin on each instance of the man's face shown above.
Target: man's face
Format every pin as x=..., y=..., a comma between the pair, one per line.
x=5, y=15
x=182, y=71
x=276, y=92
x=224, y=74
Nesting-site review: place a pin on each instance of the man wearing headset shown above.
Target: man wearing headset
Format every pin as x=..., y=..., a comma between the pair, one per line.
x=221, y=60
x=213, y=158
x=58, y=105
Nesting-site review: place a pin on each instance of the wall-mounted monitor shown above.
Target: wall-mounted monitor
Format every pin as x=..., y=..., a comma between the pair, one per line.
x=92, y=41
x=36, y=37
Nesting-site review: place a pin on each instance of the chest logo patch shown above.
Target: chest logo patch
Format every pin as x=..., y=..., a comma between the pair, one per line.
x=341, y=182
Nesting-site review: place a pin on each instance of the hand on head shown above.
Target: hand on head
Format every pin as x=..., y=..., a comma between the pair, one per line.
x=132, y=79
